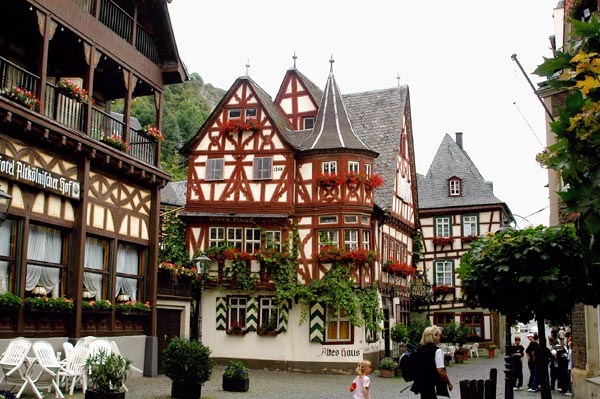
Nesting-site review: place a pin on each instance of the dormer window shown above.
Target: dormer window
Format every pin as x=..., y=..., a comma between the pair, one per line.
x=250, y=113
x=454, y=187
x=309, y=122
x=234, y=114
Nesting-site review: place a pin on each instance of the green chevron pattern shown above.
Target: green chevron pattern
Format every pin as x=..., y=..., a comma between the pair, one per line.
x=284, y=309
x=317, y=323
x=252, y=314
x=221, y=313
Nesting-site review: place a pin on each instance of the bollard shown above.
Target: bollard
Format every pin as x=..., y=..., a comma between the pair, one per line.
x=479, y=389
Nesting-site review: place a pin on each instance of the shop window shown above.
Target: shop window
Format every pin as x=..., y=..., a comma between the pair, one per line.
x=96, y=266
x=45, y=264
x=475, y=322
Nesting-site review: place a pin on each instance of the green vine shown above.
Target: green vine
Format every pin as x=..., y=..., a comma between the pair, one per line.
x=417, y=248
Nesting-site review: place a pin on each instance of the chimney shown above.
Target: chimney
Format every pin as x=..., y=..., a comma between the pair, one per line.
x=459, y=140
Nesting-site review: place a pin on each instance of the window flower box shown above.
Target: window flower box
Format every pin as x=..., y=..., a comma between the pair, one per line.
x=373, y=181
x=329, y=179
x=236, y=329
x=468, y=239
x=442, y=289
x=10, y=301
x=115, y=141
x=134, y=307
x=71, y=90
x=97, y=306
x=45, y=304
x=442, y=241
x=397, y=268
x=152, y=131
x=238, y=125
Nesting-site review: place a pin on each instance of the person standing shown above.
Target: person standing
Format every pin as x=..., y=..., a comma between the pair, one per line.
x=431, y=378
x=569, y=384
x=518, y=351
x=362, y=382
x=531, y=363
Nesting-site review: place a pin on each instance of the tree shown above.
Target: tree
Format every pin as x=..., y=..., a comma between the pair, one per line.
x=537, y=272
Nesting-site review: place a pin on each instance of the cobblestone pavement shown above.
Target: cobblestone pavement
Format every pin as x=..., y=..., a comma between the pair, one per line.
x=277, y=385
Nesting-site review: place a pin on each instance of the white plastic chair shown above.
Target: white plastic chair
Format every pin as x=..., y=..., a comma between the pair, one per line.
x=74, y=369
x=13, y=367
x=43, y=373
x=474, y=351
x=99, y=345
x=68, y=349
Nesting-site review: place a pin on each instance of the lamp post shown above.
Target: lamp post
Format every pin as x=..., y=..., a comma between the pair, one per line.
x=509, y=371
x=5, y=200
x=202, y=263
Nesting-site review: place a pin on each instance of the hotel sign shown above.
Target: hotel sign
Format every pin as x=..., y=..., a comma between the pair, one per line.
x=38, y=177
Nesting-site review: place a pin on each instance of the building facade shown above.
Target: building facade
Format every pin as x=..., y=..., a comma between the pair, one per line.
x=85, y=181
x=301, y=175
x=456, y=206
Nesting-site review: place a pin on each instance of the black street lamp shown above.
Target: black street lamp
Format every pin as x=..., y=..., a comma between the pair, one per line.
x=509, y=368
x=202, y=265
x=5, y=200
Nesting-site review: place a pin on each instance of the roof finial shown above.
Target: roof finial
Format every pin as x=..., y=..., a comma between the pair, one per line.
x=294, y=57
x=331, y=61
x=398, y=77
x=247, y=66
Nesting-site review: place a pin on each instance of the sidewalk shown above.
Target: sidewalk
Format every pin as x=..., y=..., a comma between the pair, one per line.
x=277, y=385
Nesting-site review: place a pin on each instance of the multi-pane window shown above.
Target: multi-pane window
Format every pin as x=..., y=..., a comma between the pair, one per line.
x=308, y=122
x=216, y=236
x=454, y=187
x=273, y=239
x=7, y=255
x=442, y=226
x=444, y=272
x=237, y=312
x=329, y=219
x=214, y=169
x=350, y=239
x=262, y=167
x=338, y=326
x=128, y=271
x=329, y=167
x=386, y=244
x=443, y=319
x=469, y=225
x=368, y=169
x=269, y=312
x=235, y=237
x=45, y=264
x=366, y=239
x=351, y=219
x=96, y=266
x=329, y=237
x=250, y=113
x=252, y=240
x=353, y=167
x=234, y=114
x=475, y=321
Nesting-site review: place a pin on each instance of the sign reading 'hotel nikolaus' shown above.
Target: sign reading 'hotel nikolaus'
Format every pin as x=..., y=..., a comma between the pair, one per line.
x=37, y=177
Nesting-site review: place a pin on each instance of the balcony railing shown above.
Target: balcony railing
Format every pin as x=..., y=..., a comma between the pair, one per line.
x=73, y=114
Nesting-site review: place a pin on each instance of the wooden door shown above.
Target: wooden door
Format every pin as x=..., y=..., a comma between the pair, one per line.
x=167, y=326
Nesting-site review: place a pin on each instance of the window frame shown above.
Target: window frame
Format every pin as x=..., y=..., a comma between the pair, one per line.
x=329, y=167
x=104, y=271
x=446, y=274
x=270, y=308
x=232, y=111
x=260, y=171
x=353, y=167
x=308, y=120
x=140, y=277
x=351, y=239
x=443, y=222
x=247, y=118
x=61, y=266
x=338, y=319
x=464, y=318
x=220, y=236
x=471, y=224
x=273, y=239
x=237, y=239
x=454, y=187
x=238, y=308
x=329, y=239
x=252, y=244
x=214, y=170
x=9, y=259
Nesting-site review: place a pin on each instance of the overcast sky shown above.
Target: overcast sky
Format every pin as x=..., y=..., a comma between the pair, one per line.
x=455, y=57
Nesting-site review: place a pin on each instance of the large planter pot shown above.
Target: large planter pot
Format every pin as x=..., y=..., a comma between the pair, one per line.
x=387, y=373
x=459, y=356
x=91, y=394
x=491, y=353
x=185, y=390
x=235, y=385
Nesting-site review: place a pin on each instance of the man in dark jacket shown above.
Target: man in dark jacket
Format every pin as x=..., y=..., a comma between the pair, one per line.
x=430, y=377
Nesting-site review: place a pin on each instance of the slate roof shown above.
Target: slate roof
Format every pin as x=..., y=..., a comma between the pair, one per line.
x=377, y=118
x=451, y=160
x=174, y=193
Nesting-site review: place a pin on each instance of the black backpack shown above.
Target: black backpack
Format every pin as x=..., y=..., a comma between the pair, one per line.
x=408, y=365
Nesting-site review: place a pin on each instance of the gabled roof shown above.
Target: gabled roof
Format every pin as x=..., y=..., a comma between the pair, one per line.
x=278, y=120
x=452, y=161
x=314, y=90
x=333, y=130
x=174, y=193
x=376, y=117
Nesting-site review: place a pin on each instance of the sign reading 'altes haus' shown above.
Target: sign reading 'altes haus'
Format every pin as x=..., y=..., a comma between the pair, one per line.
x=38, y=177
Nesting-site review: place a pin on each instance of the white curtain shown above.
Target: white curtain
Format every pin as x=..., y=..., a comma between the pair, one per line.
x=5, y=240
x=128, y=261
x=94, y=259
x=45, y=244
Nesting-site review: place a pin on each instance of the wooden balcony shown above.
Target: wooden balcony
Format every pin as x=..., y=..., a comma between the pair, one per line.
x=73, y=114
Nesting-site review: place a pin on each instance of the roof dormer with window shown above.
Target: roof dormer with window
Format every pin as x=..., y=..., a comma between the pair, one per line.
x=454, y=187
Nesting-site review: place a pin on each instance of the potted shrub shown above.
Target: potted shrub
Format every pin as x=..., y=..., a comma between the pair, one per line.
x=107, y=373
x=236, y=377
x=387, y=367
x=188, y=364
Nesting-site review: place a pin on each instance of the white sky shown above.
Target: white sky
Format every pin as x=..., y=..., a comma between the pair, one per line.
x=455, y=56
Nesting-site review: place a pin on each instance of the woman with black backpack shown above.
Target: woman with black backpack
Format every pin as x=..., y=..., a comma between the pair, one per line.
x=431, y=378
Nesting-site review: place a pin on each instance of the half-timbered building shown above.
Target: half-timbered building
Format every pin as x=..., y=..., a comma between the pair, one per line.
x=303, y=169
x=456, y=206
x=85, y=181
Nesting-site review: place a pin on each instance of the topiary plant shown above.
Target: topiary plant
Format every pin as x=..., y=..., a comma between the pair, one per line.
x=187, y=361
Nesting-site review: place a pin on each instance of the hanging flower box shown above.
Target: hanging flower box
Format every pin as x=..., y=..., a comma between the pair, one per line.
x=330, y=179
x=361, y=256
x=396, y=268
x=354, y=179
x=153, y=131
x=468, y=239
x=46, y=304
x=373, y=181
x=442, y=290
x=115, y=141
x=71, y=90
x=21, y=96
x=238, y=125
x=442, y=241
x=97, y=306
x=236, y=329
x=134, y=307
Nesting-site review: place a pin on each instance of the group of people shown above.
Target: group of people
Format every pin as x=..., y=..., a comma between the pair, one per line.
x=559, y=356
x=431, y=378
